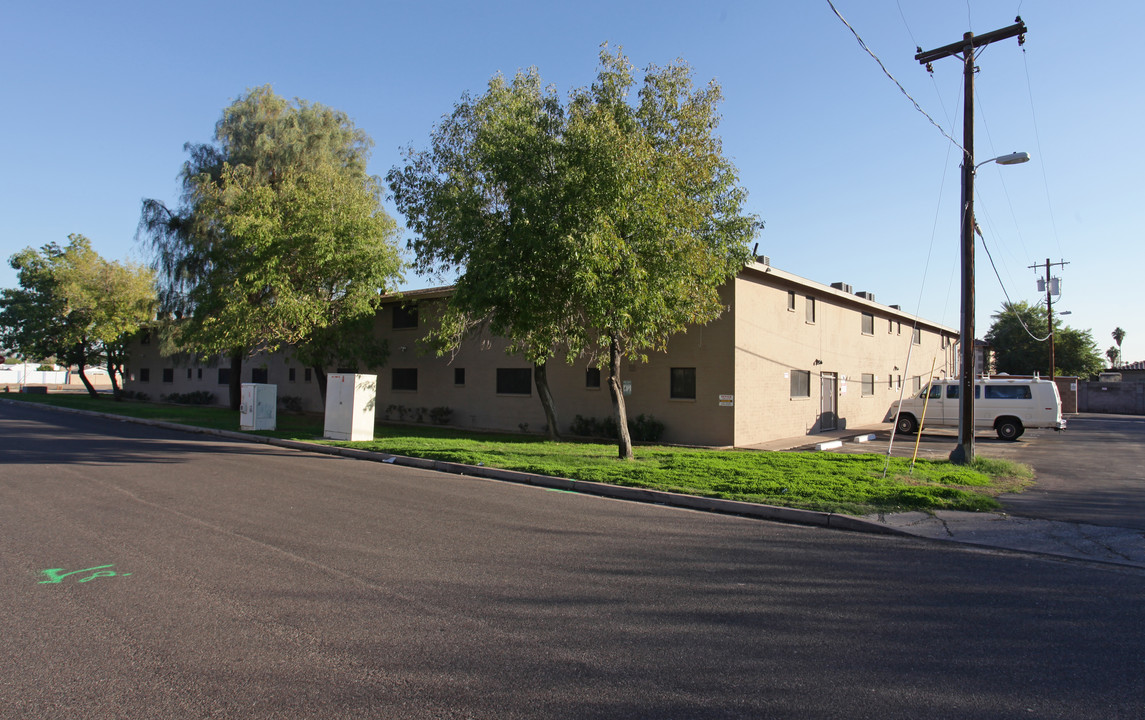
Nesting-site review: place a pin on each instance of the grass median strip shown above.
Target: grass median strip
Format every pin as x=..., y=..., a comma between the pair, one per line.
x=830, y=482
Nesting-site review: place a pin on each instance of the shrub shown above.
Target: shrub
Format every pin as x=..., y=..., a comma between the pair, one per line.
x=644, y=428
x=440, y=415
x=291, y=403
x=198, y=397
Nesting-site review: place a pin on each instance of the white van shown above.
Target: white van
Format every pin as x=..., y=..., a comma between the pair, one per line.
x=1008, y=405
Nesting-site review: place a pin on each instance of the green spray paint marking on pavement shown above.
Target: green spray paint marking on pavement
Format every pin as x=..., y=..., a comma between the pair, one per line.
x=57, y=575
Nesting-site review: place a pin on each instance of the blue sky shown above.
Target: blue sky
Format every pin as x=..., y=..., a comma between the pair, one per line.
x=853, y=183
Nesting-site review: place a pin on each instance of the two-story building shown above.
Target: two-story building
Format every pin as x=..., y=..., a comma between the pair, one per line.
x=788, y=357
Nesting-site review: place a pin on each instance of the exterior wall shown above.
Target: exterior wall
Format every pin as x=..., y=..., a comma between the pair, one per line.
x=477, y=404
x=1127, y=398
x=774, y=340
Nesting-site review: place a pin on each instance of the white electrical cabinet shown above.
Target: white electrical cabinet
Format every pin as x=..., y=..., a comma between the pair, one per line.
x=258, y=406
x=350, y=401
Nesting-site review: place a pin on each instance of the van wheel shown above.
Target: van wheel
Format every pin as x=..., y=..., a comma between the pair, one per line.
x=907, y=425
x=1009, y=430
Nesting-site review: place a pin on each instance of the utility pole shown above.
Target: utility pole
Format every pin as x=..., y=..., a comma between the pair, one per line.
x=1050, y=309
x=964, y=452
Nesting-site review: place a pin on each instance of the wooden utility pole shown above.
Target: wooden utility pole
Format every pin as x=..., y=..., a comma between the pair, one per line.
x=964, y=453
x=1050, y=310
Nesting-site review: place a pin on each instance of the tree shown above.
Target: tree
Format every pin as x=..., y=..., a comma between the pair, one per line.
x=76, y=306
x=1019, y=335
x=280, y=238
x=1118, y=336
x=1112, y=353
x=664, y=226
x=492, y=197
x=613, y=223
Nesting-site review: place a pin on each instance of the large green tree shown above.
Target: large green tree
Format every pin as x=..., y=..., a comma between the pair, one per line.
x=600, y=228
x=280, y=238
x=74, y=305
x=1020, y=337
x=494, y=197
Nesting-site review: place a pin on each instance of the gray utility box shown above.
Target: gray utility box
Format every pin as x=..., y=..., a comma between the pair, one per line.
x=350, y=401
x=258, y=406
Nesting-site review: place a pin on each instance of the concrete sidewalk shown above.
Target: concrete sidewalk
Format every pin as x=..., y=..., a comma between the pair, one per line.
x=1123, y=546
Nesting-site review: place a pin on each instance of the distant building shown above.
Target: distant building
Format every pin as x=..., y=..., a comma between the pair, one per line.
x=789, y=357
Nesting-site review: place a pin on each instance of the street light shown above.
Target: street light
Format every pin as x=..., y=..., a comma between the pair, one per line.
x=964, y=452
x=1014, y=158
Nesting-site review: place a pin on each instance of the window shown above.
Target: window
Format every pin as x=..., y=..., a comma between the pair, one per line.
x=898, y=326
x=306, y=374
x=592, y=378
x=890, y=327
x=514, y=381
x=259, y=375
x=224, y=376
x=403, y=379
x=405, y=317
x=168, y=375
x=291, y=375
x=459, y=377
x=916, y=384
x=868, y=324
x=145, y=339
x=144, y=374
x=800, y=383
x=188, y=373
x=1008, y=392
x=199, y=374
x=791, y=301
x=810, y=309
x=868, y=384
x=935, y=391
x=683, y=383
x=916, y=336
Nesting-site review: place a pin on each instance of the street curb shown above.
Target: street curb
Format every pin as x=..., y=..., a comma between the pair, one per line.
x=777, y=513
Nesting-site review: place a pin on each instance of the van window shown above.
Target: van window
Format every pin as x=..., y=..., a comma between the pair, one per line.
x=1008, y=392
x=952, y=391
x=935, y=391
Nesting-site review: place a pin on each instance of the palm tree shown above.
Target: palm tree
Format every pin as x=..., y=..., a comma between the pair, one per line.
x=1118, y=336
x=1112, y=354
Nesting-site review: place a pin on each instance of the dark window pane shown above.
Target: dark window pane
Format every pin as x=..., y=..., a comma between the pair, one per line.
x=259, y=375
x=592, y=378
x=405, y=317
x=168, y=375
x=683, y=381
x=800, y=383
x=514, y=381
x=224, y=376
x=458, y=376
x=403, y=379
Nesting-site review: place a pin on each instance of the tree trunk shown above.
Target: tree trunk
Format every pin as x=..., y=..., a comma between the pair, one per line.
x=320, y=376
x=541, y=378
x=79, y=362
x=112, y=373
x=619, y=413
x=236, y=385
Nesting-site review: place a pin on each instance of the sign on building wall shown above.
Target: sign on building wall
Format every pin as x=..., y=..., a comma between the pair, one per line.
x=727, y=400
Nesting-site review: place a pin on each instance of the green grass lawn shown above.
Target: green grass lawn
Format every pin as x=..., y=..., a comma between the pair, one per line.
x=833, y=482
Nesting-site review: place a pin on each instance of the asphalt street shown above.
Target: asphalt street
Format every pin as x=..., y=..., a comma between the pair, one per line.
x=149, y=573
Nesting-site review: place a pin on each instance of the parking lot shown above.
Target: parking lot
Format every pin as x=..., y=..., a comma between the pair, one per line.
x=1094, y=472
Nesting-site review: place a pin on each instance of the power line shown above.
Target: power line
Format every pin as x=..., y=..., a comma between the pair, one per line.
x=892, y=77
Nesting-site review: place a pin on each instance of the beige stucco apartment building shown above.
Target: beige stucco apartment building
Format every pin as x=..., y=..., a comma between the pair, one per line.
x=789, y=357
